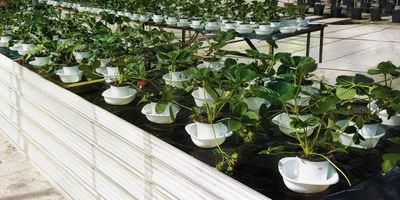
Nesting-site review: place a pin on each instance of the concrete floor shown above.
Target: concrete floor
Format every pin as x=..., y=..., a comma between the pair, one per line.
x=349, y=48
x=19, y=180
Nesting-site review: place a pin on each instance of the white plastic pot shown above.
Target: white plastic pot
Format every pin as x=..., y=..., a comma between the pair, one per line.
x=119, y=91
x=312, y=171
x=119, y=100
x=79, y=56
x=160, y=118
x=288, y=29
x=5, y=39
x=212, y=24
x=184, y=21
x=255, y=103
x=283, y=121
x=42, y=60
x=72, y=70
x=112, y=71
x=196, y=22
x=244, y=26
x=104, y=61
x=176, y=79
x=370, y=140
x=207, y=142
x=229, y=26
x=27, y=47
x=69, y=78
x=393, y=121
x=290, y=172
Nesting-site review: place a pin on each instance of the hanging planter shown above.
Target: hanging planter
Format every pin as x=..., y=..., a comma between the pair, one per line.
x=303, y=176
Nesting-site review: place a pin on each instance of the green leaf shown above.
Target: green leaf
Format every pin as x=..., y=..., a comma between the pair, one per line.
x=239, y=109
x=252, y=115
x=387, y=68
x=374, y=71
x=324, y=105
x=160, y=107
x=359, y=78
x=345, y=93
x=283, y=91
x=306, y=65
x=380, y=92
x=395, y=140
x=234, y=125
x=345, y=80
x=272, y=150
x=389, y=161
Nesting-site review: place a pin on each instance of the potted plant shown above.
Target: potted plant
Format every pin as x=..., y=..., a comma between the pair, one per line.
x=312, y=171
x=41, y=53
x=130, y=69
x=164, y=109
x=357, y=93
x=396, y=13
x=356, y=10
x=208, y=131
x=319, y=8
x=387, y=104
x=176, y=59
x=336, y=10
x=64, y=63
x=215, y=53
x=376, y=13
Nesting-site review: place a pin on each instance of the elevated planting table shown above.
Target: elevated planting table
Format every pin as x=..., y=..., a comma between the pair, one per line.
x=92, y=150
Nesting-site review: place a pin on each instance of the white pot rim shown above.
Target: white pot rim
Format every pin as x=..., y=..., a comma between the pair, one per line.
x=146, y=109
x=195, y=94
x=334, y=178
x=194, y=135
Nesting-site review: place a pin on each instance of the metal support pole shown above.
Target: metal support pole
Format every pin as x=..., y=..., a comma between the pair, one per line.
x=321, y=45
x=308, y=44
x=251, y=45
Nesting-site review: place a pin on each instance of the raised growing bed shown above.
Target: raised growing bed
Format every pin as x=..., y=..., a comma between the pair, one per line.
x=92, y=150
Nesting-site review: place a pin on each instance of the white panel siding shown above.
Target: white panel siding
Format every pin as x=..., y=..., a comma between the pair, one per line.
x=89, y=153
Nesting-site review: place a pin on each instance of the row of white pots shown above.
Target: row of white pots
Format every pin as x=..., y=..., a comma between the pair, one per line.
x=288, y=26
